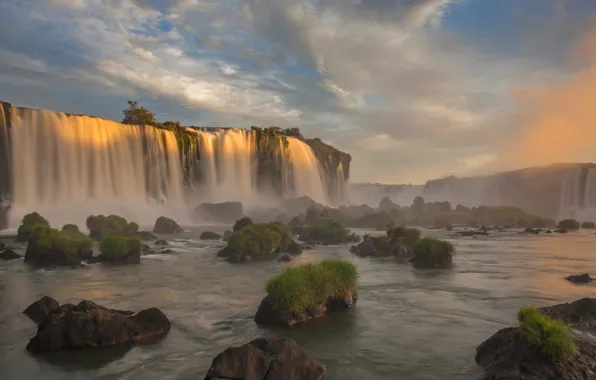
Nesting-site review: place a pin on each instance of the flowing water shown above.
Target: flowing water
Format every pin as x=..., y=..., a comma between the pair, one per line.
x=408, y=324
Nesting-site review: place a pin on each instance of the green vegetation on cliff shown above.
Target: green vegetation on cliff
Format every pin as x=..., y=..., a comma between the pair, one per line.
x=553, y=337
x=298, y=288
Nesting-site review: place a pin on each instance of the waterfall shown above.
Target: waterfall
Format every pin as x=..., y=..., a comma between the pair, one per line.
x=68, y=167
x=578, y=195
x=307, y=176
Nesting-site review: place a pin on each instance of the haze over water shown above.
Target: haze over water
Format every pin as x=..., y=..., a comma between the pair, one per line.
x=407, y=324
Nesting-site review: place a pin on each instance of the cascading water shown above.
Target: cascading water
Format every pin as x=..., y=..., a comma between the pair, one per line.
x=578, y=195
x=226, y=170
x=74, y=166
x=307, y=177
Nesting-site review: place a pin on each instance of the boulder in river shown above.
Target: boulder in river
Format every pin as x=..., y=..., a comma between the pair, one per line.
x=116, y=249
x=50, y=246
x=161, y=242
x=88, y=325
x=40, y=309
x=396, y=242
x=507, y=355
x=166, y=226
x=208, y=235
x=580, y=278
x=266, y=359
x=285, y=259
x=294, y=248
x=9, y=254
x=146, y=235
x=2, y=245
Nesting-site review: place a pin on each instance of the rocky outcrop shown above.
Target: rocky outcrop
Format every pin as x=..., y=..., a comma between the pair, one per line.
x=266, y=359
x=41, y=308
x=88, y=325
x=226, y=212
x=580, y=279
x=166, y=226
x=60, y=253
x=267, y=315
x=397, y=242
x=208, y=235
x=506, y=356
x=9, y=254
x=294, y=248
x=146, y=235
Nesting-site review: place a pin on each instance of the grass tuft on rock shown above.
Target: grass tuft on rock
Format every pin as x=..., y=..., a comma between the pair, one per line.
x=301, y=287
x=433, y=252
x=259, y=239
x=553, y=337
x=114, y=247
x=69, y=242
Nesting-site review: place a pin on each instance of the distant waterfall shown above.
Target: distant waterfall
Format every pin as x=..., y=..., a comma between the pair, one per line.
x=578, y=195
x=306, y=174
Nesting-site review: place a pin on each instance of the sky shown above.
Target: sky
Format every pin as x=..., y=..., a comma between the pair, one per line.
x=412, y=89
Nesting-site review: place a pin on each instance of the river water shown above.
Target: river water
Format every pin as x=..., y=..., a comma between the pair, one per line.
x=408, y=324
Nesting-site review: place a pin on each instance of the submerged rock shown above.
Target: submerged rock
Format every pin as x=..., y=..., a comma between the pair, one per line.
x=9, y=254
x=166, y=226
x=208, y=235
x=506, y=356
x=88, y=325
x=161, y=242
x=580, y=279
x=40, y=309
x=269, y=316
x=266, y=359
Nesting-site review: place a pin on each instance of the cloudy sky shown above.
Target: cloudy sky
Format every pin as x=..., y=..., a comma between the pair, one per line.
x=413, y=89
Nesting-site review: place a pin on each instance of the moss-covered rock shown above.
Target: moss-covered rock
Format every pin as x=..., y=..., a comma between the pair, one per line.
x=397, y=242
x=101, y=226
x=119, y=249
x=50, y=246
x=240, y=223
x=257, y=241
x=166, y=226
x=568, y=224
x=431, y=252
x=28, y=224
x=70, y=227
x=308, y=291
x=326, y=233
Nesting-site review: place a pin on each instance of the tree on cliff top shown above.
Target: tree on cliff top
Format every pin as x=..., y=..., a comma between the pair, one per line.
x=138, y=115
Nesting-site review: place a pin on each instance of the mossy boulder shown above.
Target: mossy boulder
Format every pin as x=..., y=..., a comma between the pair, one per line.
x=588, y=225
x=9, y=254
x=307, y=292
x=397, y=242
x=119, y=249
x=70, y=227
x=28, y=224
x=227, y=235
x=166, y=226
x=146, y=235
x=101, y=226
x=568, y=224
x=326, y=233
x=51, y=246
x=240, y=223
x=226, y=212
x=257, y=241
x=431, y=252
x=208, y=235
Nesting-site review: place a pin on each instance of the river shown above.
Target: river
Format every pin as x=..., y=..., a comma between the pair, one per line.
x=408, y=324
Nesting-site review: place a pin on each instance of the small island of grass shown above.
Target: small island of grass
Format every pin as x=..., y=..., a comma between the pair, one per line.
x=326, y=232
x=308, y=291
x=120, y=249
x=431, y=252
x=101, y=226
x=49, y=245
x=397, y=242
x=551, y=336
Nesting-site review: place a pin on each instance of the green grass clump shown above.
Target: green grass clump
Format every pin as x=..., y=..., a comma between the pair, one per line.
x=259, y=239
x=325, y=232
x=432, y=252
x=240, y=223
x=553, y=337
x=298, y=288
x=410, y=236
x=70, y=227
x=117, y=246
x=29, y=222
x=69, y=242
x=33, y=219
x=101, y=226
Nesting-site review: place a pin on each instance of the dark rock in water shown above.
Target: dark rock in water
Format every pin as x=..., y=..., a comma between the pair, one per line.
x=506, y=356
x=465, y=233
x=580, y=279
x=166, y=226
x=266, y=359
x=532, y=231
x=208, y=235
x=393, y=244
x=40, y=309
x=294, y=248
x=269, y=316
x=146, y=235
x=145, y=249
x=285, y=259
x=561, y=230
x=161, y=242
x=226, y=212
x=163, y=251
x=307, y=247
x=9, y=254
x=2, y=245
x=88, y=325
x=549, y=232
x=226, y=235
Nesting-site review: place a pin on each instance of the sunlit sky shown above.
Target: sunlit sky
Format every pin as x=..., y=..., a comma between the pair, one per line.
x=413, y=89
